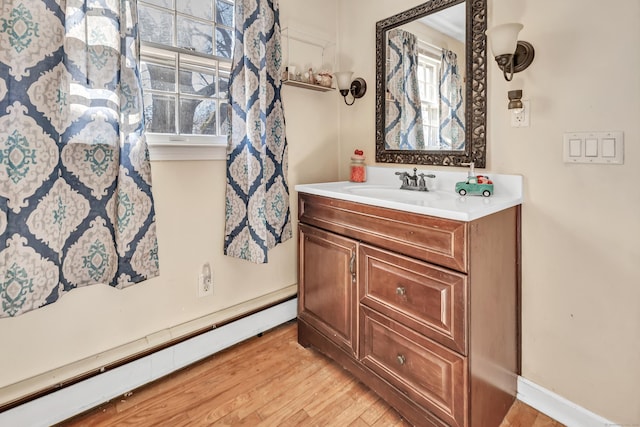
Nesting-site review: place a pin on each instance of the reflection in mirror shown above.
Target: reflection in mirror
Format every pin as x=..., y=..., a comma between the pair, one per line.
x=428, y=110
x=425, y=86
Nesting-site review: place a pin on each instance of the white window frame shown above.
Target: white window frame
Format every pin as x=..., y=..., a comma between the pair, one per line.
x=167, y=147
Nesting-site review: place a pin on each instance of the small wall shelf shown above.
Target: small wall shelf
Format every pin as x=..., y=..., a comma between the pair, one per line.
x=304, y=51
x=305, y=85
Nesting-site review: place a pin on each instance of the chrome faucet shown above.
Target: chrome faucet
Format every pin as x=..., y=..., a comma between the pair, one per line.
x=415, y=182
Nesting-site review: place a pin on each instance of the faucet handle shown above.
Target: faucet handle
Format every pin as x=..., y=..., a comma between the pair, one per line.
x=428, y=175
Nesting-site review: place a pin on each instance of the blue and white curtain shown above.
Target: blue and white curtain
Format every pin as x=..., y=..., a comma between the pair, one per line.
x=257, y=197
x=75, y=183
x=403, y=126
x=451, y=103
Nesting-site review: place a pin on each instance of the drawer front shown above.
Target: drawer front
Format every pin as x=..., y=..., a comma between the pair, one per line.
x=429, y=299
x=431, y=375
x=437, y=240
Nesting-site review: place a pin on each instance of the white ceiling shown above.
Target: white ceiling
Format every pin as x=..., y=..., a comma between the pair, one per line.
x=449, y=21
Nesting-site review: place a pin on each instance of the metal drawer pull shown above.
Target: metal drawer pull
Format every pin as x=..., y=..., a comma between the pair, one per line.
x=400, y=290
x=401, y=359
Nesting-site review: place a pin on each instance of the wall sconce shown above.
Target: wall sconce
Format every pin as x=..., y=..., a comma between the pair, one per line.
x=512, y=55
x=357, y=87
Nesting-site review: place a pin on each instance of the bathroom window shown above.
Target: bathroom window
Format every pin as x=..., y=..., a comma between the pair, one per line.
x=186, y=48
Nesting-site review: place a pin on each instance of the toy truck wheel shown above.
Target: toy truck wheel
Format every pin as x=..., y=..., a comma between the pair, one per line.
x=462, y=191
x=486, y=193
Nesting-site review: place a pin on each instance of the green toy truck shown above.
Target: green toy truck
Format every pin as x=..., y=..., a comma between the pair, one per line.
x=475, y=185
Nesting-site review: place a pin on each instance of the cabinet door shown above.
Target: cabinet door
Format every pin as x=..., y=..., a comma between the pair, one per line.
x=328, y=285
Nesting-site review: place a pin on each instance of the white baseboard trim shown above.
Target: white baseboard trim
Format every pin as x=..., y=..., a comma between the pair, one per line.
x=77, y=398
x=557, y=407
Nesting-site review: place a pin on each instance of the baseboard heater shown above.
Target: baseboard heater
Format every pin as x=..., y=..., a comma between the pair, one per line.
x=95, y=388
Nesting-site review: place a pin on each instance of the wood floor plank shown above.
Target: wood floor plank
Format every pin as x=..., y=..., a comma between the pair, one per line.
x=296, y=398
x=374, y=412
x=263, y=393
x=266, y=381
x=363, y=398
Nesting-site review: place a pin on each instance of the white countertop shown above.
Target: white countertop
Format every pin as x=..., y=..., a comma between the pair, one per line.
x=383, y=189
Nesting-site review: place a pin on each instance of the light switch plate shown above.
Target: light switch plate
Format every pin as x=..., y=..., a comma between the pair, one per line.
x=603, y=148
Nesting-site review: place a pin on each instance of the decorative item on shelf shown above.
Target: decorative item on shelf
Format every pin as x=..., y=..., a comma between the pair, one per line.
x=309, y=77
x=324, y=78
x=512, y=55
x=357, y=87
x=358, y=171
x=292, y=72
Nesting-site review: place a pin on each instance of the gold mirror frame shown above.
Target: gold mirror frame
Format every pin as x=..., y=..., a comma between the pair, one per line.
x=475, y=90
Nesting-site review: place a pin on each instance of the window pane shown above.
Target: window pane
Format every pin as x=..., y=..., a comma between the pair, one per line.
x=163, y=114
x=195, y=35
x=200, y=8
x=164, y=3
x=224, y=42
x=224, y=119
x=224, y=13
x=223, y=80
x=197, y=83
x=223, y=84
x=155, y=26
x=158, y=77
x=197, y=116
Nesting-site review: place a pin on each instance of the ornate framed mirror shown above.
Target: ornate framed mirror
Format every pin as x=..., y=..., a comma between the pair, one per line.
x=446, y=124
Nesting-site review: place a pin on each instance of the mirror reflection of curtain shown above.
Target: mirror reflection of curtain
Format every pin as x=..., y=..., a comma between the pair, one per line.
x=404, y=130
x=452, y=133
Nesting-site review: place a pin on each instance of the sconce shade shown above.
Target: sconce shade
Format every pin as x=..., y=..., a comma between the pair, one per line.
x=344, y=79
x=512, y=55
x=357, y=87
x=504, y=38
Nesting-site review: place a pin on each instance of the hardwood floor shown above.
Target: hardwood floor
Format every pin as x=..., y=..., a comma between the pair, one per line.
x=266, y=381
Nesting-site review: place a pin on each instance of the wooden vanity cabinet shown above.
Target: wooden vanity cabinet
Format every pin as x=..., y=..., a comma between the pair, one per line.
x=423, y=310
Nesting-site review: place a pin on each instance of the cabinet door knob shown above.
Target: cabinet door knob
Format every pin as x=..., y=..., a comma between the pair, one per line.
x=401, y=359
x=400, y=290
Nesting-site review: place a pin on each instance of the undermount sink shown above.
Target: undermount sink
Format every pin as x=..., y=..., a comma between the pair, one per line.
x=396, y=194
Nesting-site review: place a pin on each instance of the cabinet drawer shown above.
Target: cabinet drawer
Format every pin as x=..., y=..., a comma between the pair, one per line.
x=429, y=299
x=437, y=240
x=431, y=375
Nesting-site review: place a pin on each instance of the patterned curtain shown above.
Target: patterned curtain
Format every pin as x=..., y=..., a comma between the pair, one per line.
x=404, y=128
x=451, y=103
x=75, y=182
x=257, y=199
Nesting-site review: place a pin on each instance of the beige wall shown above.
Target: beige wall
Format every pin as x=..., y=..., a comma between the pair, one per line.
x=581, y=317
x=581, y=224
x=86, y=323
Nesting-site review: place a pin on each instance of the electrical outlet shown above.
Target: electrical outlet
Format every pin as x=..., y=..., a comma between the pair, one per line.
x=521, y=118
x=205, y=281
